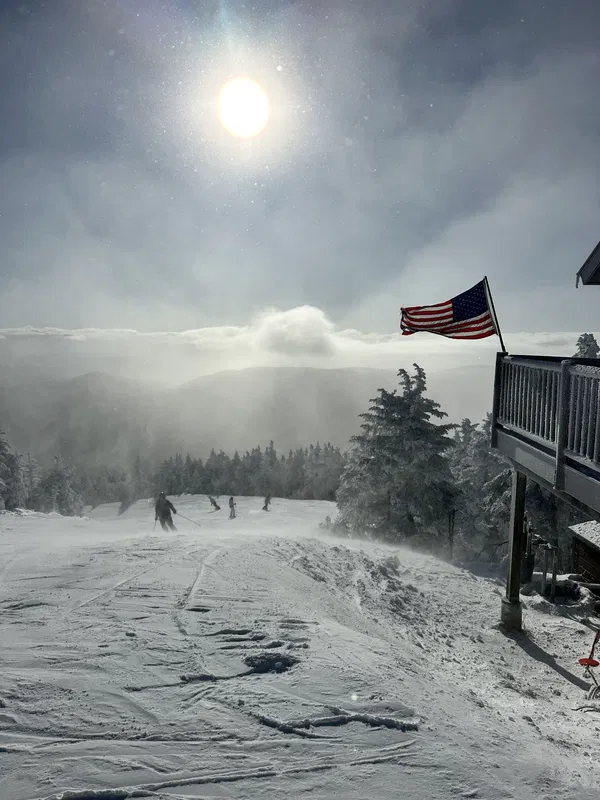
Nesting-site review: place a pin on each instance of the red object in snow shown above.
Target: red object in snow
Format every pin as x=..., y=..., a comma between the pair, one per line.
x=590, y=661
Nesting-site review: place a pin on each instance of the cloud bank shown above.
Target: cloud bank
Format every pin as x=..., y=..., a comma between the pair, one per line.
x=302, y=336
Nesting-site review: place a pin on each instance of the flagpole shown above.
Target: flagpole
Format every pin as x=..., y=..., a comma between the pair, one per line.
x=488, y=292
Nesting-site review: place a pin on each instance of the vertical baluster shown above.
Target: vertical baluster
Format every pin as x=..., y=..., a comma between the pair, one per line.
x=572, y=410
x=591, y=417
x=596, y=455
x=541, y=402
x=553, y=406
x=549, y=405
x=527, y=403
x=506, y=407
x=514, y=378
x=548, y=416
x=545, y=400
x=531, y=401
x=519, y=405
x=523, y=402
x=585, y=411
x=534, y=394
x=537, y=395
x=556, y=405
x=577, y=421
x=511, y=388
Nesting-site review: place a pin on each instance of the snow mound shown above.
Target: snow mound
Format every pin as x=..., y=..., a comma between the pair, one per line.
x=374, y=583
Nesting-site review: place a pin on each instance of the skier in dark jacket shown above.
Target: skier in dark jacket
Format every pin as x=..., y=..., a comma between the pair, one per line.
x=162, y=511
x=231, y=508
x=214, y=503
x=267, y=503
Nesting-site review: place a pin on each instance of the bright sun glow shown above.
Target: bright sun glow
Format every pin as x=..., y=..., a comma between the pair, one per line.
x=243, y=107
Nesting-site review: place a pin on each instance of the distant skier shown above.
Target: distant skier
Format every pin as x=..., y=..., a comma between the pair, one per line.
x=162, y=511
x=267, y=503
x=214, y=503
x=231, y=508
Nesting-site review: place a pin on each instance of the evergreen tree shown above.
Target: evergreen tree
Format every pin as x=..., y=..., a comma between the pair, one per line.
x=484, y=481
x=327, y=480
x=31, y=476
x=55, y=492
x=269, y=477
x=140, y=479
x=12, y=485
x=178, y=475
x=475, y=466
x=587, y=346
x=314, y=469
x=188, y=473
x=294, y=476
x=397, y=482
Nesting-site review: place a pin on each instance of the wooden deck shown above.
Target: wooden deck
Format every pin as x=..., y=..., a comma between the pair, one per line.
x=546, y=420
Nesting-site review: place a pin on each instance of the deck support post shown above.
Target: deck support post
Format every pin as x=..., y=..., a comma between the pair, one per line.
x=496, y=401
x=511, y=613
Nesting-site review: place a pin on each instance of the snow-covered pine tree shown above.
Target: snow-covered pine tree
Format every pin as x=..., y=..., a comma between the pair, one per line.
x=197, y=480
x=12, y=479
x=140, y=479
x=295, y=473
x=55, y=491
x=587, y=346
x=397, y=483
x=31, y=477
x=267, y=479
x=475, y=466
x=329, y=480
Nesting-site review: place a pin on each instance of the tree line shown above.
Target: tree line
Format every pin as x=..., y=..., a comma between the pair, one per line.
x=310, y=473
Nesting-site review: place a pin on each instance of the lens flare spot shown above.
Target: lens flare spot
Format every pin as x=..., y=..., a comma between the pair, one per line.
x=243, y=107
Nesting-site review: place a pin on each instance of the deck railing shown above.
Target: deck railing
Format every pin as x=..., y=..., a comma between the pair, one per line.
x=552, y=403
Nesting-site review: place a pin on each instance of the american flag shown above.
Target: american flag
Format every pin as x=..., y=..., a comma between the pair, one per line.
x=466, y=316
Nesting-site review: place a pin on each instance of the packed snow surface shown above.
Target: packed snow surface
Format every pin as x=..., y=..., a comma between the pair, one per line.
x=262, y=658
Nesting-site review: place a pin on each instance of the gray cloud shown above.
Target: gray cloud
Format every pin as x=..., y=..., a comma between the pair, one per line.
x=412, y=150
x=302, y=336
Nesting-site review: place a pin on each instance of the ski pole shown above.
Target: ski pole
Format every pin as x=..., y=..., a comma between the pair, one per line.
x=189, y=520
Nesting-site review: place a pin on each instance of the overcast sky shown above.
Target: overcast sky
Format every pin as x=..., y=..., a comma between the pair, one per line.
x=413, y=147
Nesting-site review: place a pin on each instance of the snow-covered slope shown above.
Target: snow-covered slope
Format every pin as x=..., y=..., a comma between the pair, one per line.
x=259, y=657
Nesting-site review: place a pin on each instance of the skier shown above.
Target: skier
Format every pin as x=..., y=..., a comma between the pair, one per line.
x=162, y=512
x=267, y=503
x=214, y=503
x=231, y=508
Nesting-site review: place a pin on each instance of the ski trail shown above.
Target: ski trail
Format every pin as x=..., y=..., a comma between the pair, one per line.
x=204, y=563
x=233, y=776
x=5, y=568
x=112, y=588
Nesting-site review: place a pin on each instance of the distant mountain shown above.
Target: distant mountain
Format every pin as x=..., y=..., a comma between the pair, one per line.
x=96, y=419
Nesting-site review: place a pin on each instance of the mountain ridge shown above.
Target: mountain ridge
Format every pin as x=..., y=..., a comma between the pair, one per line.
x=95, y=418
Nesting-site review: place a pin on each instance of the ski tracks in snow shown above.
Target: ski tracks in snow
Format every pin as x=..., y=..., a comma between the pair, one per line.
x=259, y=666
x=205, y=563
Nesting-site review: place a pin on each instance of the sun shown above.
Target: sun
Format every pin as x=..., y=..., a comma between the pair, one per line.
x=243, y=107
